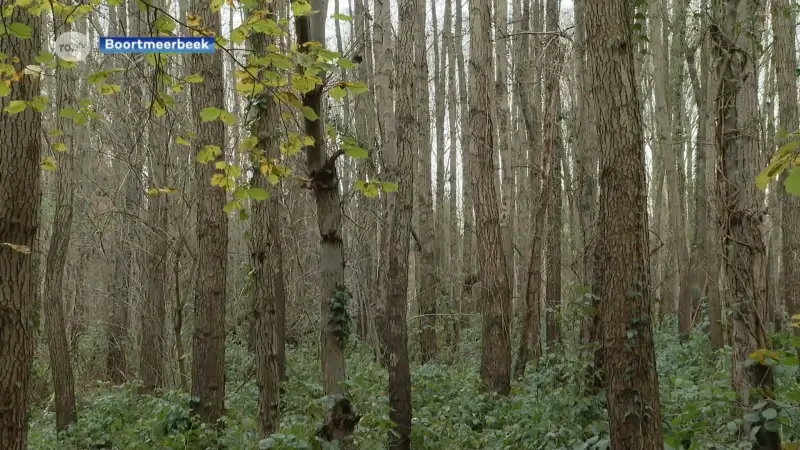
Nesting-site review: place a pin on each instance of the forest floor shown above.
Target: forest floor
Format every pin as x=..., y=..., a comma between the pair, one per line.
x=546, y=409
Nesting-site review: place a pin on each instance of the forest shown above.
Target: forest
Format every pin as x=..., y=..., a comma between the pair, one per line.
x=380, y=224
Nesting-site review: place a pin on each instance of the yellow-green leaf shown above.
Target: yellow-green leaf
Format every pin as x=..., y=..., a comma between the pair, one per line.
x=249, y=143
x=232, y=206
x=227, y=118
x=357, y=87
x=344, y=17
x=60, y=147
x=208, y=153
x=56, y=133
x=240, y=194
x=196, y=78
x=20, y=30
x=301, y=8
x=39, y=103
x=337, y=93
x=15, y=106
x=4, y=89
x=258, y=193
x=109, y=89
x=792, y=182
x=210, y=113
x=389, y=186
x=310, y=113
x=180, y=140
x=48, y=164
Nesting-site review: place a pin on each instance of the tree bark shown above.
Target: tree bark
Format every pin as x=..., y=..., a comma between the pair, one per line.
x=495, y=295
x=208, y=345
x=20, y=194
x=621, y=256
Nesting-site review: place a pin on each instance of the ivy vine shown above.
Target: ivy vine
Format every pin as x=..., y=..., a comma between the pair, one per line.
x=341, y=320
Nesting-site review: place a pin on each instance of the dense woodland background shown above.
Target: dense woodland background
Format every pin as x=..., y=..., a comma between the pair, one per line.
x=456, y=224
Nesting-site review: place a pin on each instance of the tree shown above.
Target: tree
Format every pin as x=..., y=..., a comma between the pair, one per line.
x=785, y=54
x=60, y=364
x=208, y=345
x=268, y=298
x=399, y=206
x=20, y=194
x=429, y=278
x=495, y=295
x=622, y=275
x=741, y=204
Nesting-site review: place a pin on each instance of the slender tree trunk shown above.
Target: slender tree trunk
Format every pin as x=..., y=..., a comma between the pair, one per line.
x=495, y=295
x=325, y=184
x=208, y=345
x=784, y=50
x=467, y=252
x=556, y=147
x=428, y=267
x=400, y=168
x=60, y=364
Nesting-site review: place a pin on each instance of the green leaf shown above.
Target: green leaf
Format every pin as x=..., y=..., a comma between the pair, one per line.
x=249, y=143
x=240, y=194
x=227, y=118
x=180, y=140
x=48, y=164
x=20, y=30
x=301, y=8
x=337, y=93
x=389, y=186
x=15, y=107
x=210, y=114
x=110, y=89
x=60, y=147
x=344, y=17
x=769, y=413
x=792, y=183
x=232, y=206
x=772, y=426
x=790, y=361
x=44, y=58
x=39, y=103
x=310, y=113
x=257, y=193
x=208, y=154
x=68, y=112
x=355, y=152
x=216, y=5
x=357, y=87
x=196, y=78
x=4, y=89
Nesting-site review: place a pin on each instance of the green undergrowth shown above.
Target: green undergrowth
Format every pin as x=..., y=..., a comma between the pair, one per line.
x=545, y=411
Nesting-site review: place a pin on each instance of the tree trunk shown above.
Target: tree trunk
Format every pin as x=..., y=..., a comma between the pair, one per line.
x=20, y=194
x=428, y=266
x=494, y=284
x=622, y=275
x=384, y=96
x=741, y=205
x=208, y=345
x=467, y=250
x=399, y=168
x=785, y=54
x=555, y=145
x=60, y=365
x=266, y=256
